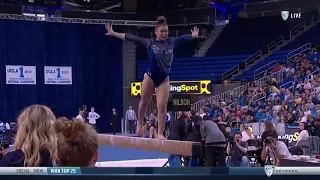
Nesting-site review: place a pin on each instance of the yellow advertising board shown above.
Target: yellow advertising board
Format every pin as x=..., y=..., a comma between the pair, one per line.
x=179, y=87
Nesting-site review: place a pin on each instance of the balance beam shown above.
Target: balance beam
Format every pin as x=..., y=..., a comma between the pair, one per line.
x=185, y=148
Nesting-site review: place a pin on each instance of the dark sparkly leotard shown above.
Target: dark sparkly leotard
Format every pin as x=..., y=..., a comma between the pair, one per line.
x=160, y=55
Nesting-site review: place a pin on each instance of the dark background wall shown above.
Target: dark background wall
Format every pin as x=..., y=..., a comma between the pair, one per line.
x=96, y=62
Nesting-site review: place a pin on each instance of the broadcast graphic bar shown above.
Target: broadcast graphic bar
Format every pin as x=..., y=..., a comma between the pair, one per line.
x=76, y=171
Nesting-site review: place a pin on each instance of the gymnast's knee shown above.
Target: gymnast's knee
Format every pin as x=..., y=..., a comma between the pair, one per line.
x=162, y=108
x=144, y=102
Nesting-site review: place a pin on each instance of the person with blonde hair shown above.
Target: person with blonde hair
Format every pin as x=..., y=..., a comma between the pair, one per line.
x=36, y=141
x=77, y=143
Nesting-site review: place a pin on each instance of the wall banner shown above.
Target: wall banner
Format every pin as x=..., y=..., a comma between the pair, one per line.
x=59, y=75
x=16, y=74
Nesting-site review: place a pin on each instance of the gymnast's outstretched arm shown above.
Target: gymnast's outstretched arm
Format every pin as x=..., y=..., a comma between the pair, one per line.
x=187, y=37
x=126, y=36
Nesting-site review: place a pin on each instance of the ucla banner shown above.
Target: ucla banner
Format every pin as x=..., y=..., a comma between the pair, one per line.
x=20, y=74
x=60, y=75
x=179, y=87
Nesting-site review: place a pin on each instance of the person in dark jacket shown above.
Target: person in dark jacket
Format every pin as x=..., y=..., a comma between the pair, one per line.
x=195, y=136
x=193, y=118
x=114, y=121
x=178, y=131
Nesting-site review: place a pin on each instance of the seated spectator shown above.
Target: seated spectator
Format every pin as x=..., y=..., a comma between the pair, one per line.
x=260, y=115
x=36, y=139
x=274, y=149
x=77, y=143
x=237, y=152
x=315, y=129
x=304, y=133
x=268, y=116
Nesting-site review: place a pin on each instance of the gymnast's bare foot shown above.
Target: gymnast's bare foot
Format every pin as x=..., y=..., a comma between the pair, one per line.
x=139, y=129
x=161, y=137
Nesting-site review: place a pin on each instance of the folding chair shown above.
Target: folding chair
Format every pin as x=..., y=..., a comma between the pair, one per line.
x=305, y=145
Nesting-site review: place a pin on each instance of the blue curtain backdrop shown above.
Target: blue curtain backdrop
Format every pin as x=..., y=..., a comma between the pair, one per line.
x=96, y=62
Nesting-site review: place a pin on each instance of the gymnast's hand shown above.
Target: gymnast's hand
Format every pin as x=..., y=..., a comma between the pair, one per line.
x=195, y=32
x=109, y=29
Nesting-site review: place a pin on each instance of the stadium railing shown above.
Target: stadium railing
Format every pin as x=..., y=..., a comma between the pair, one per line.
x=298, y=50
x=236, y=92
x=274, y=44
x=253, y=57
x=300, y=28
x=233, y=70
x=266, y=67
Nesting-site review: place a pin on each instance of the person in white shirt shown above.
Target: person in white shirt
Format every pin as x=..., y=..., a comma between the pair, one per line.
x=274, y=149
x=304, y=134
x=290, y=69
x=307, y=84
x=202, y=113
x=246, y=133
x=80, y=115
x=92, y=117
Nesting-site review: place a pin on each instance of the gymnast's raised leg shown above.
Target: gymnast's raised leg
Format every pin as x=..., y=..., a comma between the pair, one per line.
x=162, y=93
x=147, y=91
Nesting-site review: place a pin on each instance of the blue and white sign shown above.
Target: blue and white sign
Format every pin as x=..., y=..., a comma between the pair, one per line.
x=60, y=75
x=21, y=74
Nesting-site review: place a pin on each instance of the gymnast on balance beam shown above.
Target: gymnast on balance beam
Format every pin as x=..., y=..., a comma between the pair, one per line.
x=160, y=52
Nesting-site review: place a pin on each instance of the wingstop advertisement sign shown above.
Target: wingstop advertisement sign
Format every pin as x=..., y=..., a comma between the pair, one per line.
x=179, y=87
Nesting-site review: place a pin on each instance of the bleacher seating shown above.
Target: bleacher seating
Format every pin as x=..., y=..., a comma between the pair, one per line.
x=280, y=56
x=312, y=36
x=210, y=68
x=247, y=36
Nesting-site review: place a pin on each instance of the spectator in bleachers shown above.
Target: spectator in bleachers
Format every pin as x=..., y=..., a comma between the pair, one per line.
x=202, y=112
x=77, y=143
x=36, y=139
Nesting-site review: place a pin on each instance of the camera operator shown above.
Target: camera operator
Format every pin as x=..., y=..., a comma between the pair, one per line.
x=274, y=149
x=215, y=142
x=237, y=152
